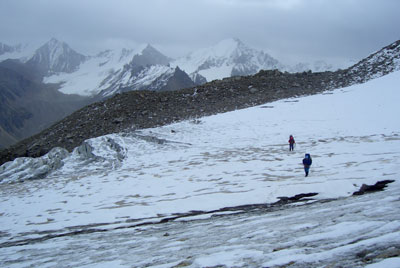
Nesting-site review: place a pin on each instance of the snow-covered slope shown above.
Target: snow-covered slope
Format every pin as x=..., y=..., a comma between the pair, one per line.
x=377, y=64
x=95, y=74
x=88, y=206
x=229, y=57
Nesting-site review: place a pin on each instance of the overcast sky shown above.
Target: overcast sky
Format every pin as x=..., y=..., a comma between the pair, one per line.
x=286, y=29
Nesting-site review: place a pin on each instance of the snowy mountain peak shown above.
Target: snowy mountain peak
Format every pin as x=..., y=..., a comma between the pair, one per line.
x=53, y=48
x=56, y=56
x=227, y=47
x=150, y=48
x=150, y=56
x=227, y=58
x=53, y=42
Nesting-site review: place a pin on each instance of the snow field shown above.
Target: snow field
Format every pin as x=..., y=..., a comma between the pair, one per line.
x=231, y=159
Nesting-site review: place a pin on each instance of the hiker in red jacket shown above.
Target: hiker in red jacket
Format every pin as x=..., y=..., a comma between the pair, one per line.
x=291, y=143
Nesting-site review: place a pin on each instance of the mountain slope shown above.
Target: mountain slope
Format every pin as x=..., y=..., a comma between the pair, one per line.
x=12, y=114
x=28, y=106
x=6, y=139
x=94, y=74
x=377, y=64
x=114, y=72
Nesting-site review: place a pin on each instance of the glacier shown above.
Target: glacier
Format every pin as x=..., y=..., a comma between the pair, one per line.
x=156, y=197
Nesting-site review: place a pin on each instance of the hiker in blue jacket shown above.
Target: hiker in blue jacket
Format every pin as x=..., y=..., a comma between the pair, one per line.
x=307, y=161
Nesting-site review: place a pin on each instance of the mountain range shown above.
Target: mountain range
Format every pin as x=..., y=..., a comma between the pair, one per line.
x=116, y=71
x=144, y=67
x=139, y=109
x=40, y=87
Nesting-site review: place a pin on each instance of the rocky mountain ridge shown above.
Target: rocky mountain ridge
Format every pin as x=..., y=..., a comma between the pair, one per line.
x=377, y=64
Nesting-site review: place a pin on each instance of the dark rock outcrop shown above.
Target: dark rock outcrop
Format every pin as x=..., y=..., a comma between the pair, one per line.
x=379, y=186
x=296, y=198
x=178, y=80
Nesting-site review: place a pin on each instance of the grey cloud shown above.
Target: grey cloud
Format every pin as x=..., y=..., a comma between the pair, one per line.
x=285, y=28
